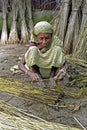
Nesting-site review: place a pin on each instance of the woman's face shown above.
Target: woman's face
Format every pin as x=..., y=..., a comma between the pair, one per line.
x=44, y=39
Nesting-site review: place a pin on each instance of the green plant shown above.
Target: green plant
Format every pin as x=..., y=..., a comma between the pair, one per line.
x=47, y=18
x=1, y=23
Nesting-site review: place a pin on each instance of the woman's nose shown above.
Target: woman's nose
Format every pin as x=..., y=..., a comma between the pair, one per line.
x=44, y=41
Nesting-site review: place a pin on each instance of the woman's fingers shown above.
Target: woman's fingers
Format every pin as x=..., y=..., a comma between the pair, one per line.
x=35, y=77
x=59, y=76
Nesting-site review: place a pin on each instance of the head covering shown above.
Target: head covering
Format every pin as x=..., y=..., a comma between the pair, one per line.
x=42, y=27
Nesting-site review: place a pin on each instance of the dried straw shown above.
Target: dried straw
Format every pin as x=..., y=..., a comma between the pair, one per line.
x=13, y=119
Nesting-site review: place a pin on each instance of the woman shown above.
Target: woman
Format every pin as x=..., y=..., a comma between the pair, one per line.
x=44, y=57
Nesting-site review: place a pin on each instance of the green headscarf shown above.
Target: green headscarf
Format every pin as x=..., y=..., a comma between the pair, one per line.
x=42, y=27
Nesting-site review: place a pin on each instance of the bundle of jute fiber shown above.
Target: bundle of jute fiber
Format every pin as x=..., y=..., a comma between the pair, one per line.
x=13, y=119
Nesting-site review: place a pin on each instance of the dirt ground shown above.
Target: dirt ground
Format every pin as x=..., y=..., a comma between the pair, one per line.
x=10, y=56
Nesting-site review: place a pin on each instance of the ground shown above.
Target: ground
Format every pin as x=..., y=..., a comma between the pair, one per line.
x=10, y=56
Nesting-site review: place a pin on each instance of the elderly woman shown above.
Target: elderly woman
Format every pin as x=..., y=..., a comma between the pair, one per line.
x=44, y=57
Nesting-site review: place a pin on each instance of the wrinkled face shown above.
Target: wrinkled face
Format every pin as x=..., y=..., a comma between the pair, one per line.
x=44, y=39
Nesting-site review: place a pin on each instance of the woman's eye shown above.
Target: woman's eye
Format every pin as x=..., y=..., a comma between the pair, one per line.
x=41, y=39
x=46, y=38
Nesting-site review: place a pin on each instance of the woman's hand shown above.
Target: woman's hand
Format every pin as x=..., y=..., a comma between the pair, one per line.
x=34, y=76
x=60, y=74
